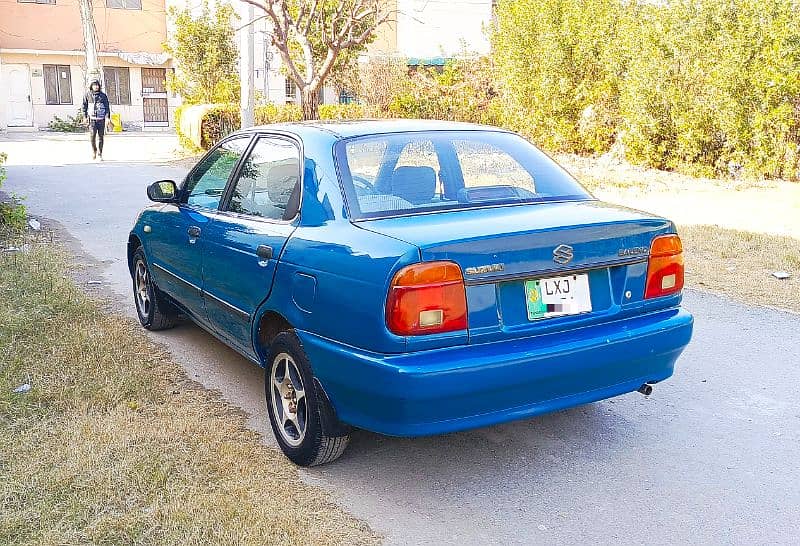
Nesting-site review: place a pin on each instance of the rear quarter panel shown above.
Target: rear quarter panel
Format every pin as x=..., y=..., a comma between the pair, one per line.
x=332, y=277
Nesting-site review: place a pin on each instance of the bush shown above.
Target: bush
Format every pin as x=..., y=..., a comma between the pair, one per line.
x=462, y=91
x=12, y=215
x=220, y=120
x=729, y=76
x=277, y=113
x=380, y=79
x=345, y=111
x=558, y=70
x=71, y=124
x=217, y=123
x=702, y=86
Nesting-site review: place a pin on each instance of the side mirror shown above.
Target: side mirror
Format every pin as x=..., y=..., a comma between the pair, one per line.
x=163, y=191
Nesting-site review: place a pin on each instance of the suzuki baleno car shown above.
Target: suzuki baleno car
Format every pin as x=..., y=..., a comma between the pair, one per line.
x=409, y=278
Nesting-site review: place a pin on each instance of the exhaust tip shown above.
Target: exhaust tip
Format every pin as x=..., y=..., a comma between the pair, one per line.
x=646, y=389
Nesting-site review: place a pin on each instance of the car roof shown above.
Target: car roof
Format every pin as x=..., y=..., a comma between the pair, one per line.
x=362, y=127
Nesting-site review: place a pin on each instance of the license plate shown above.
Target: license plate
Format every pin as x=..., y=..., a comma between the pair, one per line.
x=558, y=296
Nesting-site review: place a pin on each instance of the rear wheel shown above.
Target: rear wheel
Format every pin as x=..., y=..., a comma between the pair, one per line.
x=154, y=310
x=295, y=406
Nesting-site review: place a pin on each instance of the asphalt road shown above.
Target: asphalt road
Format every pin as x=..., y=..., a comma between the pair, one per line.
x=710, y=458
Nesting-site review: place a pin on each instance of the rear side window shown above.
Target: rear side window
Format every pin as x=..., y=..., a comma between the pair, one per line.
x=269, y=181
x=205, y=186
x=411, y=173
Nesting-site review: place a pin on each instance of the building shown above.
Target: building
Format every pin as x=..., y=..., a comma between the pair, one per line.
x=269, y=81
x=431, y=29
x=43, y=66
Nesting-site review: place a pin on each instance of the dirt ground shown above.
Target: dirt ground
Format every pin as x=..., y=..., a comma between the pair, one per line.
x=736, y=233
x=768, y=207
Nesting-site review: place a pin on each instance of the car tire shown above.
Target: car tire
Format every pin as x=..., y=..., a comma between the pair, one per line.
x=297, y=421
x=155, y=311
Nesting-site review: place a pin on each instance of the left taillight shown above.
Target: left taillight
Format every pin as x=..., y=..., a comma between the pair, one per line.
x=427, y=298
x=665, y=267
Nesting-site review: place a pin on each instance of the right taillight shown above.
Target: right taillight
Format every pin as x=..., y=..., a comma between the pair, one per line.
x=427, y=298
x=665, y=267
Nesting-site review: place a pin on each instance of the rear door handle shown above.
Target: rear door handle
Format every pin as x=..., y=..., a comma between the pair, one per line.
x=193, y=232
x=264, y=252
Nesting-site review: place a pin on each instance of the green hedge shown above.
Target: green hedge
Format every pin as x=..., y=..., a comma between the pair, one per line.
x=704, y=86
x=221, y=120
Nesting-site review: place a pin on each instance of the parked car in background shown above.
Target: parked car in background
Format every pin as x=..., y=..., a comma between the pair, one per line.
x=409, y=278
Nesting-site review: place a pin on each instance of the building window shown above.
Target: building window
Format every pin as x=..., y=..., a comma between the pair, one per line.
x=291, y=90
x=117, y=84
x=124, y=4
x=36, y=1
x=57, y=84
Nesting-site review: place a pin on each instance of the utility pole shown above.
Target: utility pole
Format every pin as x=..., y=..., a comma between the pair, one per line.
x=93, y=71
x=246, y=54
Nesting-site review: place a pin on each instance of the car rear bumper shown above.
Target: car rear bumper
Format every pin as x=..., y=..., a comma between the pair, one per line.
x=446, y=390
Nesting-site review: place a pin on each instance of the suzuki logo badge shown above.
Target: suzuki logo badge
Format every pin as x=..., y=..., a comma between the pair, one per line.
x=563, y=254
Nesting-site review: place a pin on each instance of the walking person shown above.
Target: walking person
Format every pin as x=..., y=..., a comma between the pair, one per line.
x=96, y=110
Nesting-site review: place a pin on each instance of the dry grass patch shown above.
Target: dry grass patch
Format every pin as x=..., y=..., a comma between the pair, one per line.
x=739, y=264
x=112, y=445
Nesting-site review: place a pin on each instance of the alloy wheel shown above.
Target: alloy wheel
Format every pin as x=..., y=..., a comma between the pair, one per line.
x=288, y=398
x=142, y=289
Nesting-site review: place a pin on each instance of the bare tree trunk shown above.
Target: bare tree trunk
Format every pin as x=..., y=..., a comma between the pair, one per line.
x=309, y=100
x=93, y=70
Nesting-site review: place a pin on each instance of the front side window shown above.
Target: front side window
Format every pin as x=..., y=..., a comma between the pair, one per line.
x=57, y=84
x=409, y=173
x=269, y=181
x=117, y=84
x=206, y=184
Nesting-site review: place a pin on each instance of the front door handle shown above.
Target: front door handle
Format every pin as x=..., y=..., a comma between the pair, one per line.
x=193, y=232
x=264, y=252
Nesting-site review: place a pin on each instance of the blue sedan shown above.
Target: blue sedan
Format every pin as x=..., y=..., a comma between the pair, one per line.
x=409, y=278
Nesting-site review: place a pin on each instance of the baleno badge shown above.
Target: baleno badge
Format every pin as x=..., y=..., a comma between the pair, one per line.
x=491, y=268
x=634, y=251
x=563, y=254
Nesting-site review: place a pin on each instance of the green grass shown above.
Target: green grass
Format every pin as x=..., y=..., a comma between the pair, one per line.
x=113, y=445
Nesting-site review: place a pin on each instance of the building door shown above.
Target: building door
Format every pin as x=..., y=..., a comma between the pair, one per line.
x=17, y=87
x=155, y=111
x=154, y=97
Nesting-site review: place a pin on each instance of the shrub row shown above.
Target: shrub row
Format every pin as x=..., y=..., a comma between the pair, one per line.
x=705, y=86
x=221, y=120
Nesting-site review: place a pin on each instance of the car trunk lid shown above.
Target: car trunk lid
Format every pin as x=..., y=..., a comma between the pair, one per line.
x=501, y=248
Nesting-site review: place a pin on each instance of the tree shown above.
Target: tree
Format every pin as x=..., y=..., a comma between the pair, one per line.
x=313, y=37
x=205, y=52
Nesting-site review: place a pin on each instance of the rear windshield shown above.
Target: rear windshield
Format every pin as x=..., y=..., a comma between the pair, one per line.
x=410, y=173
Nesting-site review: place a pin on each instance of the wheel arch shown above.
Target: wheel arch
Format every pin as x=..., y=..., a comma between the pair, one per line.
x=268, y=325
x=133, y=243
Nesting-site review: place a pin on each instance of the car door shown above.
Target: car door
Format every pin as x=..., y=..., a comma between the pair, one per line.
x=247, y=236
x=177, y=245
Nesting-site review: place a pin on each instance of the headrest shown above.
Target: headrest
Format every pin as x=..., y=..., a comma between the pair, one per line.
x=414, y=184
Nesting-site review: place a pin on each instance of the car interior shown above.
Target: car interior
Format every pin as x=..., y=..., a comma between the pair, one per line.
x=421, y=173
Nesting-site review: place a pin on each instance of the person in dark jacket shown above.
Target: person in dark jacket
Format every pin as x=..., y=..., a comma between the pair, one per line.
x=96, y=110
